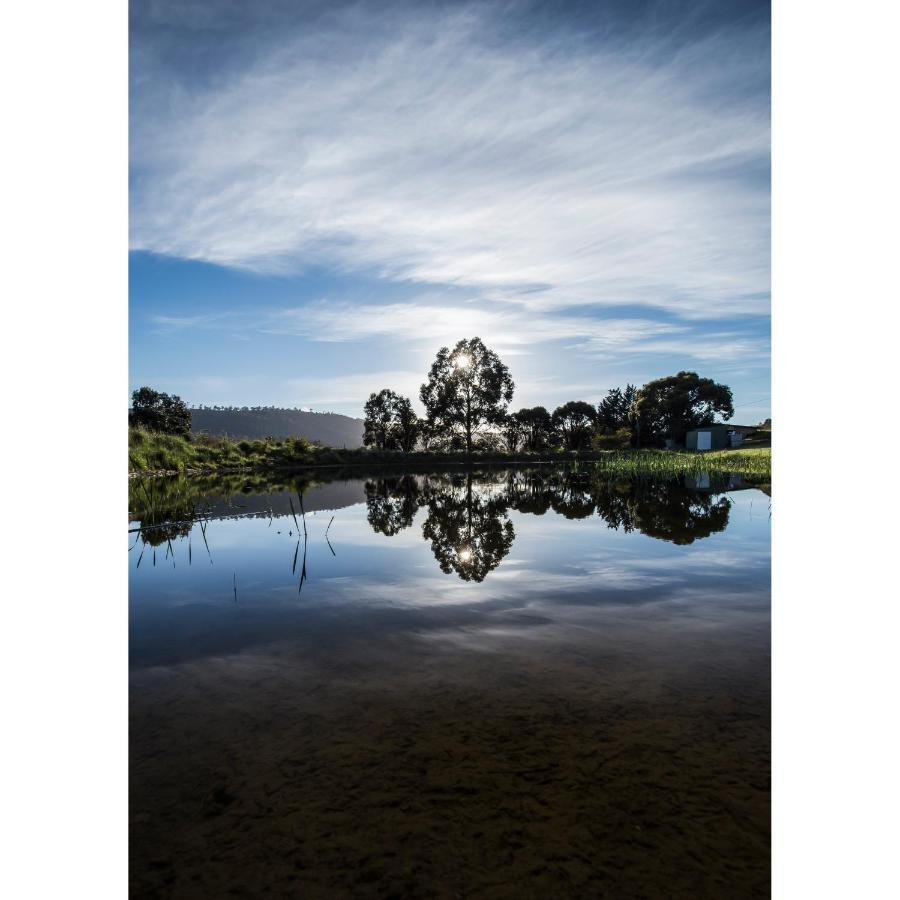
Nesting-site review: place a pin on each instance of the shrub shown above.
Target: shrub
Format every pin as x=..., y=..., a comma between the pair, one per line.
x=617, y=440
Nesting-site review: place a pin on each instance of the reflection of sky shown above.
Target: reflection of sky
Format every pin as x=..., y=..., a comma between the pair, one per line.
x=559, y=572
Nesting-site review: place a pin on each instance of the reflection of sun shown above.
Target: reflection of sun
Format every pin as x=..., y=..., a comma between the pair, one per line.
x=462, y=361
x=464, y=555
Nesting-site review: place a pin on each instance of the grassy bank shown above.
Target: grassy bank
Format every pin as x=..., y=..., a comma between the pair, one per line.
x=149, y=452
x=745, y=461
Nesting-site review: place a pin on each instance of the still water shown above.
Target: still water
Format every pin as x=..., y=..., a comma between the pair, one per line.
x=497, y=683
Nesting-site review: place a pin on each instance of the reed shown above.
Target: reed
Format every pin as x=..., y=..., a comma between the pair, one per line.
x=674, y=462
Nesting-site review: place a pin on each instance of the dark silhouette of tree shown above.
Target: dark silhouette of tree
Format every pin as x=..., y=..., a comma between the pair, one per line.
x=378, y=419
x=390, y=422
x=537, y=428
x=431, y=437
x=616, y=410
x=511, y=432
x=467, y=388
x=407, y=425
x=156, y=411
x=470, y=531
x=671, y=406
x=392, y=503
x=490, y=442
x=574, y=424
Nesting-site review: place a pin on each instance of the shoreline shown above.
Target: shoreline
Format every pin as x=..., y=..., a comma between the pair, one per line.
x=751, y=461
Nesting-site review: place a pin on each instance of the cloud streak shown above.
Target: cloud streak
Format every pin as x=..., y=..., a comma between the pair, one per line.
x=437, y=147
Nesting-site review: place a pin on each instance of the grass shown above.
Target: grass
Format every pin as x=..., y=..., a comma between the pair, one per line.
x=150, y=452
x=153, y=452
x=744, y=461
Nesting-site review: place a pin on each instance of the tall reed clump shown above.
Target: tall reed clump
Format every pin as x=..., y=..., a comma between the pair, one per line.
x=673, y=462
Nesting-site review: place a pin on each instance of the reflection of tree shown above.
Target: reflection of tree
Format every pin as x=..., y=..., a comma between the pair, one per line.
x=666, y=510
x=469, y=529
x=467, y=521
x=572, y=495
x=165, y=509
x=527, y=491
x=158, y=535
x=392, y=503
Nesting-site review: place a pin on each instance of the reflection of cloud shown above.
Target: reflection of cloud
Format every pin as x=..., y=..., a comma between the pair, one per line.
x=572, y=575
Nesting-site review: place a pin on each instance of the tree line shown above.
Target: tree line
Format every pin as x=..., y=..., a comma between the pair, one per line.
x=467, y=398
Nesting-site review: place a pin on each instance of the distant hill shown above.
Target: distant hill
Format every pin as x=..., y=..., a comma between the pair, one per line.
x=328, y=429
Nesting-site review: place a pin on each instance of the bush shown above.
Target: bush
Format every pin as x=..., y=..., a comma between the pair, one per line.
x=617, y=440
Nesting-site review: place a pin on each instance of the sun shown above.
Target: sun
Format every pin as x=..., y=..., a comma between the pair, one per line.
x=462, y=361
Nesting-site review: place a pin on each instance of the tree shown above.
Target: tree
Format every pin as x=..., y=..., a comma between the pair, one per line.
x=430, y=436
x=406, y=425
x=537, y=427
x=390, y=422
x=379, y=419
x=156, y=411
x=672, y=406
x=467, y=389
x=574, y=423
x=615, y=409
x=511, y=432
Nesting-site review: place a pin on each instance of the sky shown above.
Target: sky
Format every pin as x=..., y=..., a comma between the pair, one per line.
x=323, y=195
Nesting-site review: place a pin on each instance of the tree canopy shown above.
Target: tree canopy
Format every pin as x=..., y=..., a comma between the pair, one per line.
x=390, y=422
x=156, y=411
x=615, y=410
x=574, y=423
x=511, y=432
x=672, y=406
x=537, y=427
x=468, y=388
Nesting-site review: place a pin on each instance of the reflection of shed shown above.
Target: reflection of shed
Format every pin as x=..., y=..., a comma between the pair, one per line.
x=709, y=437
x=718, y=483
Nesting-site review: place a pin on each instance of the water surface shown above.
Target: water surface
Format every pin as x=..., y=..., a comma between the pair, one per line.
x=499, y=683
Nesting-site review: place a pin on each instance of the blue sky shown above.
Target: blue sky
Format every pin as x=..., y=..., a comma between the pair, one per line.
x=323, y=195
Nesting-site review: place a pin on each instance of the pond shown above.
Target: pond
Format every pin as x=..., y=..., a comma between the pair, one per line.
x=526, y=682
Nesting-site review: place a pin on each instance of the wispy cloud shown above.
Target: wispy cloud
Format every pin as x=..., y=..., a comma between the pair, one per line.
x=512, y=330
x=432, y=324
x=434, y=147
x=181, y=322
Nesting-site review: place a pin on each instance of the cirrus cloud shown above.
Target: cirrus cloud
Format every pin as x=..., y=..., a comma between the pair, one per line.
x=441, y=148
